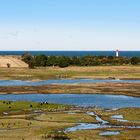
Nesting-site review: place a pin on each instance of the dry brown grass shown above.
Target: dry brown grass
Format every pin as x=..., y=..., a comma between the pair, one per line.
x=119, y=72
x=131, y=89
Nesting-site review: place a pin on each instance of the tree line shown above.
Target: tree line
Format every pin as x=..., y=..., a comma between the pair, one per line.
x=65, y=61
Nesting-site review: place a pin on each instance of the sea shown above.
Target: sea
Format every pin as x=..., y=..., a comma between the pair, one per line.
x=74, y=53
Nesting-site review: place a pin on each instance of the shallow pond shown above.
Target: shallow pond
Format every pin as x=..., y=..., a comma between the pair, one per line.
x=101, y=124
x=88, y=126
x=85, y=126
x=119, y=118
x=98, y=100
x=108, y=133
x=59, y=81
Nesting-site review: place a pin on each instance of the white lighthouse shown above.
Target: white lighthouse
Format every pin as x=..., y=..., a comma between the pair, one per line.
x=117, y=53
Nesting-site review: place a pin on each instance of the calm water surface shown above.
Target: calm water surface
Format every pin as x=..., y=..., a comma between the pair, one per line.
x=99, y=100
x=60, y=81
x=74, y=53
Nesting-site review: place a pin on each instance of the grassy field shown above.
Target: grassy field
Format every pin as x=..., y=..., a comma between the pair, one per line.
x=29, y=106
x=123, y=72
x=24, y=122
x=128, y=134
x=132, y=115
x=36, y=121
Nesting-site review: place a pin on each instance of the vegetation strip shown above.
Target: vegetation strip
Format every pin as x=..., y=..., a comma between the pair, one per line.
x=24, y=122
x=93, y=88
x=65, y=61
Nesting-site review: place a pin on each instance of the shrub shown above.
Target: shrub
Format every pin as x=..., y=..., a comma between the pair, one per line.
x=40, y=60
x=64, y=62
x=135, y=60
x=56, y=135
x=27, y=58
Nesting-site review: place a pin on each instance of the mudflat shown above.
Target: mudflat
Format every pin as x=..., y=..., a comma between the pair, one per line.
x=130, y=89
x=97, y=72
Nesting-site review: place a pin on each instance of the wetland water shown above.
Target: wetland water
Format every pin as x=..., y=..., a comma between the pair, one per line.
x=60, y=81
x=101, y=124
x=98, y=100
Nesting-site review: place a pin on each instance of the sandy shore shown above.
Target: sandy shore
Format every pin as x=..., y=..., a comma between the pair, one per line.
x=14, y=61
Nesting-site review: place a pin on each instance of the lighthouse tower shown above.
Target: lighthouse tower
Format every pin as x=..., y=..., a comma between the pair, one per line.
x=117, y=53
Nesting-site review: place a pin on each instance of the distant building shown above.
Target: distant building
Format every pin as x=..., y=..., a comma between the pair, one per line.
x=117, y=53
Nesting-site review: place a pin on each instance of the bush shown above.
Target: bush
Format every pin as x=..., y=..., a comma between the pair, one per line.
x=64, y=62
x=56, y=135
x=31, y=65
x=40, y=60
x=52, y=61
x=135, y=60
x=27, y=58
x=75, y=61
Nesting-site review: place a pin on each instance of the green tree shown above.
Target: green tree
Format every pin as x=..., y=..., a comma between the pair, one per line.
x=52, y=61
x=135, y=60
x=27, y=58
x=75, y=61
x=64, y=61
x=31, y=65
x=40, y=60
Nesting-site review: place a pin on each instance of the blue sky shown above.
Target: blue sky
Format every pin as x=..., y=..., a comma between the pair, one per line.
x=69, y=24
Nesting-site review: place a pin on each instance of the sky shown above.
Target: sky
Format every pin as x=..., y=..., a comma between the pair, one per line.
x=69, y=25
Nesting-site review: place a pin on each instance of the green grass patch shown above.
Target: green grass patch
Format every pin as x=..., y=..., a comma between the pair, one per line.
x=29, y=106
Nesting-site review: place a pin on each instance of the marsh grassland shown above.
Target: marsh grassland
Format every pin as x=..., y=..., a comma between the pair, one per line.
x=29, y=120
x=119, y=72
x=22, y=120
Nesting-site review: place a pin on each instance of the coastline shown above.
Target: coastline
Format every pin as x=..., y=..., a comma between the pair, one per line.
x=59, y=117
